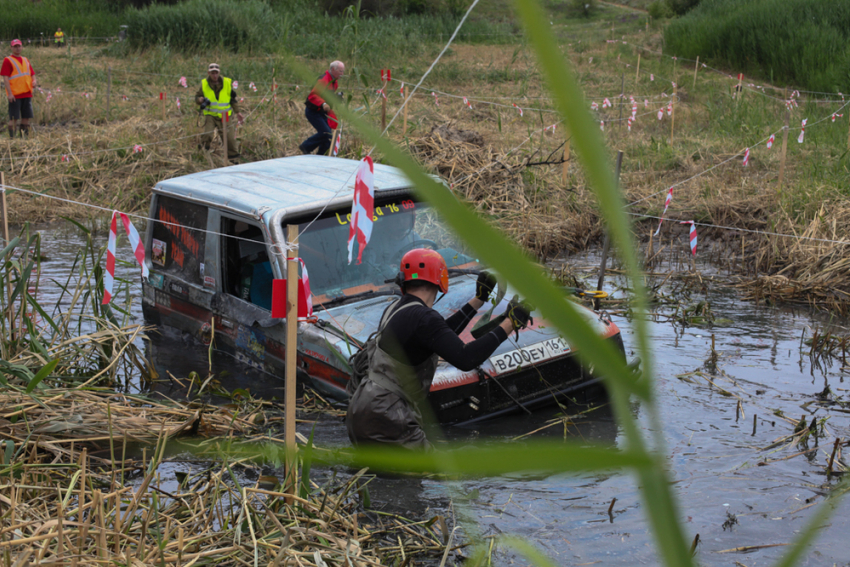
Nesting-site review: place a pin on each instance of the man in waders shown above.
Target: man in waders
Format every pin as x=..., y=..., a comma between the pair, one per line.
x=387, y=406
x=19, y=81
x=217, y=97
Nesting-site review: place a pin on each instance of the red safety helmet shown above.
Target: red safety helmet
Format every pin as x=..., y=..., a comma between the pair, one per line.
x=426, y=265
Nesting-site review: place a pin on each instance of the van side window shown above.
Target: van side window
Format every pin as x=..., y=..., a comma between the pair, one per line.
x=178, y=239
x=247, y=270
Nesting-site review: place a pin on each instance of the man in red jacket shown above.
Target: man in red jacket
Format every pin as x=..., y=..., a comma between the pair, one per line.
x=19, y=81
x=319, y=113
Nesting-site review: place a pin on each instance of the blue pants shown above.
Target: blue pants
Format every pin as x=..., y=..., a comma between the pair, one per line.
x=322, y=138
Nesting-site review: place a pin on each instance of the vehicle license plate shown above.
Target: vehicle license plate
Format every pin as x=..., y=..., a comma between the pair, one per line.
x=538, y=352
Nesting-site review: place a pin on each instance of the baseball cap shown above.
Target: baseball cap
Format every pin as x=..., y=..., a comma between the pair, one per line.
x=17, y=42
x=213, y=67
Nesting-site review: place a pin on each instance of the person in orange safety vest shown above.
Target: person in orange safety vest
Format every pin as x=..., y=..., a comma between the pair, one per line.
x=19, y=81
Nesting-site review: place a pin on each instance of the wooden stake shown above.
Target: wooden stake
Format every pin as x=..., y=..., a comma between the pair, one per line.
x=108, y=89
x=383, y=108
x=696, y=68
x=291, y=356
x=848, y=136
x=607, y=244
x=6, y=243
x=407, y=106
x=637, y=73
x=566, y=169
x=675, y=111
x=225, y=118
x=274, y=100
x=784, y=145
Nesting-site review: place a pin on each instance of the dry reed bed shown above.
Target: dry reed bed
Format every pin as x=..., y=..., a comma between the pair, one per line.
x=66, y=496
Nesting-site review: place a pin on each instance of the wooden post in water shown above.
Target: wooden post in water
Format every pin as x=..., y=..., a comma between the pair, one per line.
x=696, y=68
x=6, y=243
x=607, y=244
x=637, y=73
x=291, y=354
x=108, y=89
x=784, y=142
x=406, y=107
x=225, y=118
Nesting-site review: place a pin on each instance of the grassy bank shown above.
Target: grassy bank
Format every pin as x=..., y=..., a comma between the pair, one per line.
x=794, y=42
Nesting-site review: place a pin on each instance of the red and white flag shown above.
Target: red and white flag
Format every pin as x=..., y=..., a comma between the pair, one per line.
x=746, y=157
x=646, y=103
x=629, y=123
x=836, y=115
x=518, y=108
x=178, y=102
x=552, y=127
x=770, y=141
x=137, y=149
x=436, y=100
x=693, y=235
x=602, y=125
x=252, y=86
x=182, y=82
x=670, y=109
x=594, y=106
x=362, y=208
x=65, y=157
x=634, y=110
x=235, y=84
x=401, y=89
x=466, y=102
x=802, y=131
x=660, y=113
x=135, y=243
x=336, y=144
x=606, y=103
x=666, y=204
x=651, y=77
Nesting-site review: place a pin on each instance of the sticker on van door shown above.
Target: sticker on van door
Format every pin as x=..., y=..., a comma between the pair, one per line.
x=158, y=252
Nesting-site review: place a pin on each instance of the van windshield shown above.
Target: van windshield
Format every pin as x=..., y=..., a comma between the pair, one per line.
x=399, y=225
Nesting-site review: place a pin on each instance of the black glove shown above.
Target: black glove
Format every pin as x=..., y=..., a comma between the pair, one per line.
x=484, y=286
x=519, y=313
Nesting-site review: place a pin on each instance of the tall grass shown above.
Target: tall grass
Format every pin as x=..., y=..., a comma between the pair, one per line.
x=797, y=42
x=31, y=20
x=298, y=27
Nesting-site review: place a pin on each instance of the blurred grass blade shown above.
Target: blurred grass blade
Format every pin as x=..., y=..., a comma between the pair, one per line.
x=42, y=374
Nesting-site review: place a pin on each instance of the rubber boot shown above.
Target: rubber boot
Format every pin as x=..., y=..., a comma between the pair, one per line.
x=12, y=132
x=25, y=130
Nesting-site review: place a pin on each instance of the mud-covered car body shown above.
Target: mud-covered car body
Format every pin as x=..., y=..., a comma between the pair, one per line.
x=218, y=239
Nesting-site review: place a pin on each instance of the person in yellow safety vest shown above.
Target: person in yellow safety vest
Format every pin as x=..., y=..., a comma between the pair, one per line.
x=19, y=80
x=217, y=97
x=59, y=37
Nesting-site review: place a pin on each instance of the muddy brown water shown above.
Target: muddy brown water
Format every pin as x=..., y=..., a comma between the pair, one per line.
x=723, y=493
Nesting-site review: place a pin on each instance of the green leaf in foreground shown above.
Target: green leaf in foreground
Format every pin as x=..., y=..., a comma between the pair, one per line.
x=42, y=374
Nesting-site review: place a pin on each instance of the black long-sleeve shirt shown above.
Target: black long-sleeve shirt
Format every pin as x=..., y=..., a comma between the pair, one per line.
x=416, y=333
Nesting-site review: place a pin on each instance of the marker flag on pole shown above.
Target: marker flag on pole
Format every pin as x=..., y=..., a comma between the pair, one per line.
x=666, y=204
x=802, y=131
x=436, y=100
x=770, y=141
x=138, y=251
x=746, y=157
x=518, y=108
x=466, y=102
x=336, y=144
x=693, y=236
x=401, y=89
x=182, y=82
x=362, y=208
x=594, y=106
x=670, y=109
